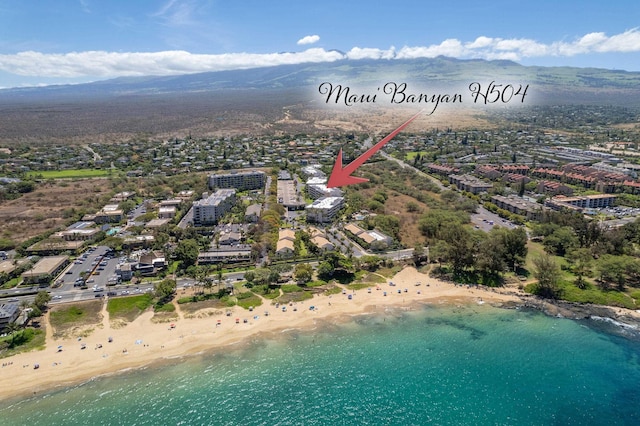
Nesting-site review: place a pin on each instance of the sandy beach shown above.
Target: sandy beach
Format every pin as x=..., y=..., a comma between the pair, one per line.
x=143, y=342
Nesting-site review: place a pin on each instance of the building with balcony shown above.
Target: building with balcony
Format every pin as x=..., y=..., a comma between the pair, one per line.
x=241, y=181
x=209, y=210
x=324, y=209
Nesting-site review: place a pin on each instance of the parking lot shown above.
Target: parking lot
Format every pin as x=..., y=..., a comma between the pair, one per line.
x=93, y=268
x=484, y=220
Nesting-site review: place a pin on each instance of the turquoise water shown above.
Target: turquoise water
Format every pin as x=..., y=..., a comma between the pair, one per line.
x=441, y=365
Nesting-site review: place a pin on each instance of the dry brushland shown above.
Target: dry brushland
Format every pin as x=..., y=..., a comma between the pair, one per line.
x=50, y=206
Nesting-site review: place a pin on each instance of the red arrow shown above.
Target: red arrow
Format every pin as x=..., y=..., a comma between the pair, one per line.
x=342, y=176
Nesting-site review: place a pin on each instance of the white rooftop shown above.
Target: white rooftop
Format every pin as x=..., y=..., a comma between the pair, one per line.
x=326, y=203
x=316, y=180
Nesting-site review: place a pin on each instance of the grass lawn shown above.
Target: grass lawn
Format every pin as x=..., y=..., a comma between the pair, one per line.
x=12, y=283
x=128, y=308
x=290, y=288
x=316, y=283
x=537, y=250
x=164, y=313
x=593, y=294
x=534, y=250
x=303, y=250
x=25, y=340
x=72, y=174
x=173, y=267
x=358, y=286
x=65, y=318
x=248, y=299
x=296, y=296
x=374, y=278
x=389, y=272
x=332, y=289
x=414, y=154
x=190, y=309
x=167, y=307
x=264, y=291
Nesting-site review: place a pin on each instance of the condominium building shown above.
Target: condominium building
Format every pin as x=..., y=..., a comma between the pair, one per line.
x=317, y=188
x=225, y=255
x=519, y=205
x=241, y=181
x=209, y=210
x=324, y=209
x=581, y=203
x=469, y=183
x=313, y=170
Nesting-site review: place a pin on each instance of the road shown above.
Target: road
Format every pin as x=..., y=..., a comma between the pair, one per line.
x=419, y=172
x=96, y=156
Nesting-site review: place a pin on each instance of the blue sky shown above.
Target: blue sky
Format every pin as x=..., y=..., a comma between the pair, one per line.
x=68, y=41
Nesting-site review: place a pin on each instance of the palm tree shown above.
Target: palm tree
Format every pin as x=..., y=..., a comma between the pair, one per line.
x=12, y=328
x=219, y=275
x=200, y=274
x=207, y=283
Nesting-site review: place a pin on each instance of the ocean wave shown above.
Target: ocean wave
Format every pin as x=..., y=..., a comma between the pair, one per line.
x=611, y=321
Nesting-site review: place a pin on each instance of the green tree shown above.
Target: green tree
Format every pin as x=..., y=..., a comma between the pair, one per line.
x=325, y=270
x=303, y=273
x=165, y=289
x=207, y=283
x=412, y=207
x=35, y=312
x=127, y=205
x=187, y=252
x=12, y=330
x=547, y=273
x=42, y=300
x=262, y=276
x=491, y=254
x=462, y=246
x=514, y=243
x=561, y=241
x=419, y=254
x=618, y=270
x=113, y=242
x=521, y=188
x=438, y=252
x=250, y=276
x=580, y=260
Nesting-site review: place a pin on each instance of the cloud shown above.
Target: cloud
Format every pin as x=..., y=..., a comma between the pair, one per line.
x=101, y=64
x=112, y=64
x=310, y=39
x=480, y=42
x=450, y=47
x=371, y=53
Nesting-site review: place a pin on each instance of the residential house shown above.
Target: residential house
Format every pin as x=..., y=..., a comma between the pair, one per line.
x=9, y=312
x=252, y=214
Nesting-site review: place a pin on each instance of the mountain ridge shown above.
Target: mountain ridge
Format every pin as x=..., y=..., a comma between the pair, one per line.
x=282, y=98
x=364, y=71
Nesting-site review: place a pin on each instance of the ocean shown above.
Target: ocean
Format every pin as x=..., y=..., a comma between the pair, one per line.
x=437, y=364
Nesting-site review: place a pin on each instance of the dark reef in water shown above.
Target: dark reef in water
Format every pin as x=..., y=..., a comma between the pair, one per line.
x=612, y=319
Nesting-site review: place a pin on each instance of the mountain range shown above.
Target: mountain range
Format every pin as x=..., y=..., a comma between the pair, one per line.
x=160, y=104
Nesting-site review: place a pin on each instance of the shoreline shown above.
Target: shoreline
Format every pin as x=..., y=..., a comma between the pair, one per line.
x=144, y=343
